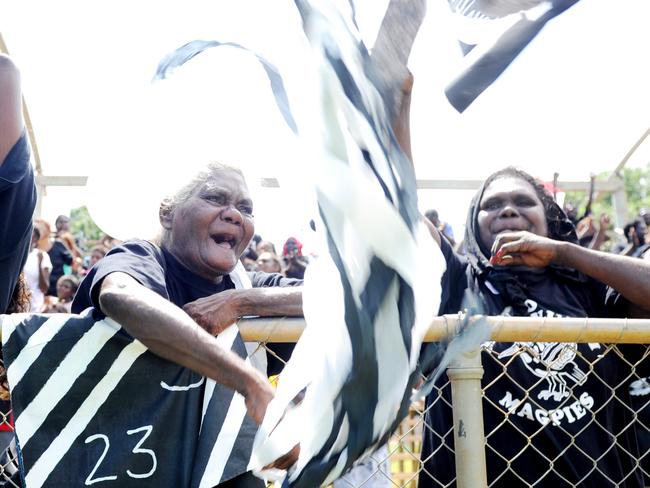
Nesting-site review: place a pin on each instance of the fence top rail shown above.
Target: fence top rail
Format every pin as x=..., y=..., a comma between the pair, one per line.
x=504, y=329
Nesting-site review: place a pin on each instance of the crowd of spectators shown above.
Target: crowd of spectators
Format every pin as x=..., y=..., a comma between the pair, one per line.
x=261, y=255
x=56, y=263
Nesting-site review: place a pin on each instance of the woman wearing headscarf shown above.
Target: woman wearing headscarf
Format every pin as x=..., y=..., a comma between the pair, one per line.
x=555, y=414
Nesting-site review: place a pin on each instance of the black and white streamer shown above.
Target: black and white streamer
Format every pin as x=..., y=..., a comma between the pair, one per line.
x=369, y=304
x=491, y=43
x=367, y=311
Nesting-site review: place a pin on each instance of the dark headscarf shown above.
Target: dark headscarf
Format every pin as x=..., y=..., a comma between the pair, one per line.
x=511, y=282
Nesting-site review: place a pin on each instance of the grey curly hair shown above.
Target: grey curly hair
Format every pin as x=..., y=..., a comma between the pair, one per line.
x=200, y=178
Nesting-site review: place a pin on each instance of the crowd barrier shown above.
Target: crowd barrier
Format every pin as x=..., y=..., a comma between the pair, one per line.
x=467, y=439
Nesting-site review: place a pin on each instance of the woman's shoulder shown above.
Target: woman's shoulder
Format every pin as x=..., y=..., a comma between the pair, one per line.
x=136, y=244
x=138, y=247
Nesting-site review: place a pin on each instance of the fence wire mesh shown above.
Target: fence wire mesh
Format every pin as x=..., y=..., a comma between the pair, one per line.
x=8, y=455
x=555, y=414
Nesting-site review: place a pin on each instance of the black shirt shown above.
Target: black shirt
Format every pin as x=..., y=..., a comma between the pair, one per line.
x=158, y=270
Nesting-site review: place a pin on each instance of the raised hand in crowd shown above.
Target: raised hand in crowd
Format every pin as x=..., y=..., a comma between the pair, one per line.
x=590, y=235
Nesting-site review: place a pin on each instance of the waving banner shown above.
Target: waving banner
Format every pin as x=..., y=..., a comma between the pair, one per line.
x=92, y=405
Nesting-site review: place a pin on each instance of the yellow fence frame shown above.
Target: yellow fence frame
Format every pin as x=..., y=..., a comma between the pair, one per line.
x=466, y=371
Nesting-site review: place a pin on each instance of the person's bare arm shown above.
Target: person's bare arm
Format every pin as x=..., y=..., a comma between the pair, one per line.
x=402, y=130
x=402, y=122
x=43, y=274
x=629, y=276
x=601, y=234
x=170, y=333
x=216, y=312
x=435, y=233
x=11, y=115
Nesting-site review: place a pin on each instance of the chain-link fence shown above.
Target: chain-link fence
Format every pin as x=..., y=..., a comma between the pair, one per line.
x=8, y=459
x=575, y=413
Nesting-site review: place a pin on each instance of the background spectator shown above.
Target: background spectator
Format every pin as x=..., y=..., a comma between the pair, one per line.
x=59, y=253
x=96, y=253
x=295, y=262
x=77, y=256
x=635, y=239
x=109, y=242
x=644, y=213
x=249, y=258
x=444, y=228
x=265, y=246
x=269, y=263
x=37, y=273
x=44, y=228
x=66, y=287
x=571, y=212
x=590, y=235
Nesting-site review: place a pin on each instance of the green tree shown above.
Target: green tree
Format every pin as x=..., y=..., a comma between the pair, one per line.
x=637, y=189
x=637, y=192
x=83, y=226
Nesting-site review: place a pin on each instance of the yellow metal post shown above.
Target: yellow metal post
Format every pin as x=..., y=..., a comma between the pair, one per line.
x=465, y=374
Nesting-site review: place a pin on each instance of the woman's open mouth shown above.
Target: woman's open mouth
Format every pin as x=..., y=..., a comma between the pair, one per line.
x=225, y=241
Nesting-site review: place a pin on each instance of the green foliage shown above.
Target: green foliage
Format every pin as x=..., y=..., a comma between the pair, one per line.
x=637, y=191
x=82, y=225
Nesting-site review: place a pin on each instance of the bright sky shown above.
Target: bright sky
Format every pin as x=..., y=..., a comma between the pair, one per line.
x=574, y=102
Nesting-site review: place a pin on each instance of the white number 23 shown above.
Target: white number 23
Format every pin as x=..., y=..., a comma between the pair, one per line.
x=136, y=450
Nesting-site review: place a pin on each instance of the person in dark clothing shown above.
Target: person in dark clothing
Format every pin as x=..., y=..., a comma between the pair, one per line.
x=17, y=190
x=295, y=262
x=177, y=293
x=635, y=236
x=550, y=420
x=444, y=228
x=59, y=253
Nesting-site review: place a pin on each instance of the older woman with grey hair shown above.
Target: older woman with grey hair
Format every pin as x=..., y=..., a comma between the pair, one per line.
x=176, y=293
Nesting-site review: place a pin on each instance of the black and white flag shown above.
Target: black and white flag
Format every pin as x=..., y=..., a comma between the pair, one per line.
x=369, y=303
x=93, y=405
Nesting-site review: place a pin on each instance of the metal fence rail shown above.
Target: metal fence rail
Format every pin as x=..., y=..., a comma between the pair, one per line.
x=562, y=357
x=595, y=369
